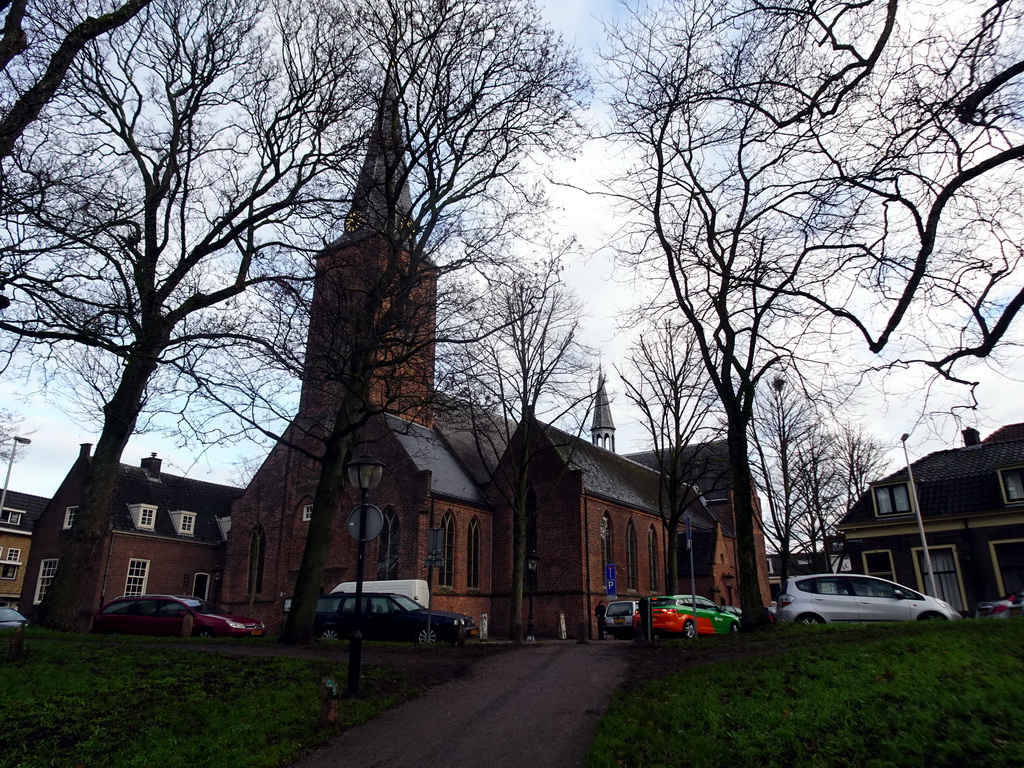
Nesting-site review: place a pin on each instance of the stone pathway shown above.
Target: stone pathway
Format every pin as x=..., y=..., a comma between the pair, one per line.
x=534, y=706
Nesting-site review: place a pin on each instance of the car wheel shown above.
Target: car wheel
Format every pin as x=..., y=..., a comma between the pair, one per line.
x=204, y=632
x=425, y=637
x=932, y=617
x=689, y=629
x=329, y=633
x=734, y=627
x=810, y=618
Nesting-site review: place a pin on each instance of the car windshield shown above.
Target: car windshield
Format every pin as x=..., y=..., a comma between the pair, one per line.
x=201, y=606
x=619, y=609
x=407, y=603
x=9, y=614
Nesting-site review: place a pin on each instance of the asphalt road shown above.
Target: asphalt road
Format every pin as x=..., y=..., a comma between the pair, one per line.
x=537, y=705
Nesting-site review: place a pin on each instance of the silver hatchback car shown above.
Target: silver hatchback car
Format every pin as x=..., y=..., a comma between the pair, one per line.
x=826, y=597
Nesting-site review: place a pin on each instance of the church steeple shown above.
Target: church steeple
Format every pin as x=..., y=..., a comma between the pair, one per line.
x=374, y=294
x=381, y=201
x=602, y=428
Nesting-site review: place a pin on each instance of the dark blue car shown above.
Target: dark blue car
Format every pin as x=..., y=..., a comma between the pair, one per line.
x=387, y=616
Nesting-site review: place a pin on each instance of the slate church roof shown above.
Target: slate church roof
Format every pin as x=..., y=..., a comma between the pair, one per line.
x=429, y=452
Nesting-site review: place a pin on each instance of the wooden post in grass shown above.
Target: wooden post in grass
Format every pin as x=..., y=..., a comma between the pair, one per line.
x=186, y=625
x=329, y=695
x=17, y=646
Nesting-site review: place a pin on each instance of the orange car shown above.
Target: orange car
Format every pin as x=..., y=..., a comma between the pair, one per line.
x=673, y=615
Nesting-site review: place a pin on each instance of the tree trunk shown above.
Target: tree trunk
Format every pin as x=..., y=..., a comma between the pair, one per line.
x=65, y=596
x=298, y=626
x=751, y=600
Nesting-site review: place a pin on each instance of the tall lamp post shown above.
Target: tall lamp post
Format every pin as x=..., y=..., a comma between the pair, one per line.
x=10, y=463
x=532, y=561
x=364, y=473
x=920, y=523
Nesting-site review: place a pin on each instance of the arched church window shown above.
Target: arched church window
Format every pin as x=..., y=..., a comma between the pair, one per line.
x=631, y=580
x=257, y=557
x=531, y=521
x=387, y=547
x=473, y=555
x=652, y=557
x=446, y=578
x=606, y=539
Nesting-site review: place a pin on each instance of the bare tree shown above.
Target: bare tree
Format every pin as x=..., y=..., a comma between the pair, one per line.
x=193, y=140
x=37, y=48
x=527, y=371
x=667, y=383
x=784, y=424
x=709, y=212
x=467, y=90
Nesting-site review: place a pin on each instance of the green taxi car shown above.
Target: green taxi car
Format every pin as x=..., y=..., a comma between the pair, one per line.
x=673, y=615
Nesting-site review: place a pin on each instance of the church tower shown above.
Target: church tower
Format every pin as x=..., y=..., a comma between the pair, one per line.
x=373, y=319
x=602, y=428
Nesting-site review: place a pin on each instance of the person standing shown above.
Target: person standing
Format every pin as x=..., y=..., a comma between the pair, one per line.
x=599, y=612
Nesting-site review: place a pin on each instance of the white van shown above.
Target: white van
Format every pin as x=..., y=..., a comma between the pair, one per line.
x=414, y=588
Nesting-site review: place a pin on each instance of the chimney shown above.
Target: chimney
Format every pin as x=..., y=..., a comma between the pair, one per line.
x=84, y=450
x=971, y=437
x=152, y=466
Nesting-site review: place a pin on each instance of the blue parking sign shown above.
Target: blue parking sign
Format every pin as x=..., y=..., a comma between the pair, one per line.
x=609, y=580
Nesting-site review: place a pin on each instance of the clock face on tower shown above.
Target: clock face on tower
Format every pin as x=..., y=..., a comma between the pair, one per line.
x=354, y=221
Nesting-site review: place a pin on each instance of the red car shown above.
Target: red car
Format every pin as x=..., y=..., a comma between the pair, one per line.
x=164, y=615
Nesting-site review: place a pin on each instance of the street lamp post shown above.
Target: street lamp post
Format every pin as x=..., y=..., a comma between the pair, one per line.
x=10, y=463
x=532, y=561
x=364, y=473
x=920, y=523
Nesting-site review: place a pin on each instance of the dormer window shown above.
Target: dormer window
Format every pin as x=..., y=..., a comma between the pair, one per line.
x=69, y=517
x=144, y=516
x=1012, y=481
x=10, y=516
x=184, y=522
x=892, y=500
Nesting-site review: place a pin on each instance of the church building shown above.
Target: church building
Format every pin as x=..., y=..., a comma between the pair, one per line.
x=591, y=508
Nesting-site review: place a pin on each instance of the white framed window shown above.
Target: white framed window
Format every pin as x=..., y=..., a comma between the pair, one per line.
x=69, y=517
x=10, y=516
x=892, y=499
x=144, y=516
x=8, y=571
x=138, y=575
x=184, y=522
x=1012, y=482
x=307, y=513
x=47, y=568
x=13, y=555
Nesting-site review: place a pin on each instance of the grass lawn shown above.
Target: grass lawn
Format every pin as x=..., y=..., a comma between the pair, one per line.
x=81, y=701
x=914, y=694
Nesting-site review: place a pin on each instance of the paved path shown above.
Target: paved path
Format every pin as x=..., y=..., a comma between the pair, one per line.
x=536, y=706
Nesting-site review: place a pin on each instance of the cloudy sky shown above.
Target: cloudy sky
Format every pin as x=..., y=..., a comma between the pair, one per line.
x=890, y=407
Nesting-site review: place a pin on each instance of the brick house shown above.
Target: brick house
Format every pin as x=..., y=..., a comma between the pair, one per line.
x=972, y=508
x=19, y=513
x=166, y=536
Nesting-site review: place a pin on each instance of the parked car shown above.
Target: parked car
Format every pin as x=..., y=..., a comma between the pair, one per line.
x=10, y=618
x=1011, y=605
x=673, y=615
x=165, y=614
x=618, y=618
x=387, y=616
x=827, y=597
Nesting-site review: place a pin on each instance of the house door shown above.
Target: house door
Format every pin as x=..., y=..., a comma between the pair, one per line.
x=201, y=586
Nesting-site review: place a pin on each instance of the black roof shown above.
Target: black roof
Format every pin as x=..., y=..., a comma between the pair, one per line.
x=170, y=493
x=429, y=452
x=952, y=482
x=30, y=506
